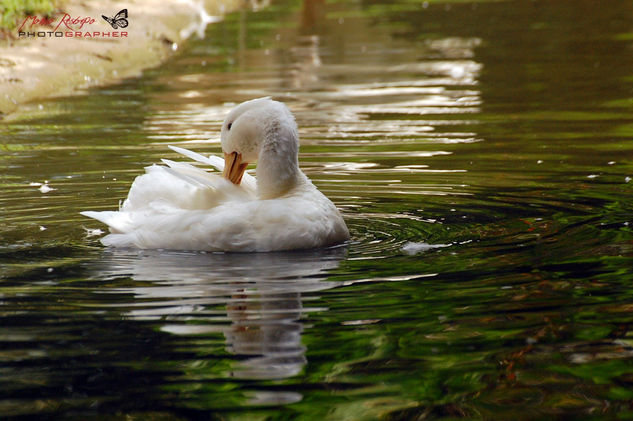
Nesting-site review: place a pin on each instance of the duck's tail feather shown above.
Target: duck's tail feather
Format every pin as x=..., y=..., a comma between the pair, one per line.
x=118, y=240
x=117, y=221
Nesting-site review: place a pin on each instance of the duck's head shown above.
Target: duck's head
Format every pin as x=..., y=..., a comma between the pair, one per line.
x=260, y=130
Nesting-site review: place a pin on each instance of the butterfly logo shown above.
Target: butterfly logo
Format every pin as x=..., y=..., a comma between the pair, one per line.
x=118, y=21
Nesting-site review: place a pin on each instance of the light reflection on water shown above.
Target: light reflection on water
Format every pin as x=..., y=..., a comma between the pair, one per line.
x=480, y=155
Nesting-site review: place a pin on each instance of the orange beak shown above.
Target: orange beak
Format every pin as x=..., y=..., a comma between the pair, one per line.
x=234, y=167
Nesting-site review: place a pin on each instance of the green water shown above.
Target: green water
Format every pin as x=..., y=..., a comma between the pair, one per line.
x=481, y=154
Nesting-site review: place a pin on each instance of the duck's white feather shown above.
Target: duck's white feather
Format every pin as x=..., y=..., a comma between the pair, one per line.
x=252, y=225
x=216, y=162
x=181, y=206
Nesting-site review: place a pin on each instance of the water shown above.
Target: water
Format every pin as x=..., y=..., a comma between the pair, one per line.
x=482, y=156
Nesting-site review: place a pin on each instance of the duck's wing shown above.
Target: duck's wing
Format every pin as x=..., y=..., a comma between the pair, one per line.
x=182, y=186
x=248, y=181
x=186, y=186
x=172, y=189
x=190, y=174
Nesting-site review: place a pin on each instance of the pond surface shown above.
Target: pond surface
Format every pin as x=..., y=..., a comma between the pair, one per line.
x=482, y=156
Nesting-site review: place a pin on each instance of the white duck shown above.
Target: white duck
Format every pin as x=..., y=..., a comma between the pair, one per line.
x=183, y=207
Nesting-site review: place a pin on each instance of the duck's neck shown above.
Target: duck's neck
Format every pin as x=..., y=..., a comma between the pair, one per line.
x=278, y=164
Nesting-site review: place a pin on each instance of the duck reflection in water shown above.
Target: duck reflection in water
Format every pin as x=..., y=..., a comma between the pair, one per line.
x=266, y=329
x=260, y=294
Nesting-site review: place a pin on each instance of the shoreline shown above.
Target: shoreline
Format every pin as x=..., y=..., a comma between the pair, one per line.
x=72, y=52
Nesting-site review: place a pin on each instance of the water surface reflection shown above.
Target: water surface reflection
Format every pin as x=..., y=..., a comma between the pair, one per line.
x=255, y=300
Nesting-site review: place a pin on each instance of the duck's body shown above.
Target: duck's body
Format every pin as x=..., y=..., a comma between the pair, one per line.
x=186, y=208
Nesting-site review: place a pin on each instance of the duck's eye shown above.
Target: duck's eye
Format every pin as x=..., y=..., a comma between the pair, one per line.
x=228, y=127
